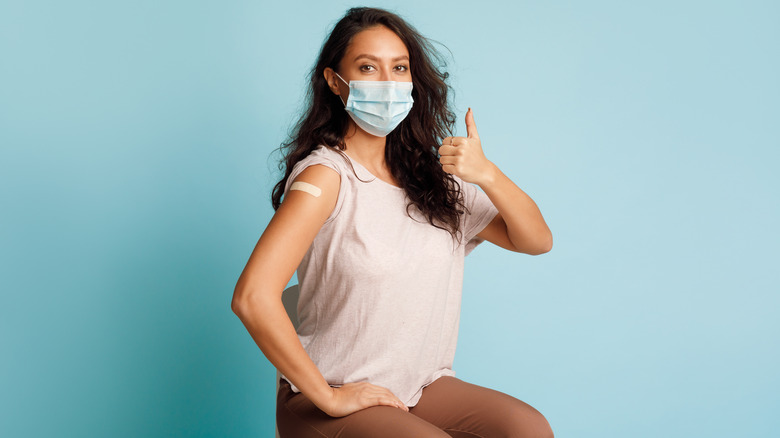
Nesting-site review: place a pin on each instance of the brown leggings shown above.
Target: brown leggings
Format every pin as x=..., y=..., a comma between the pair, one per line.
x=449, y=407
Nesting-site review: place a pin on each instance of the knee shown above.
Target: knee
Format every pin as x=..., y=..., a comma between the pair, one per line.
x=527, y=424
x=541, y=428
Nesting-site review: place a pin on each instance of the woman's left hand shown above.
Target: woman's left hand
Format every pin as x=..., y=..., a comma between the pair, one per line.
x=463, y=156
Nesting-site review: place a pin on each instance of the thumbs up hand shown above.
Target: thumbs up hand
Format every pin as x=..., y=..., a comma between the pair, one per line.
x=463, y=156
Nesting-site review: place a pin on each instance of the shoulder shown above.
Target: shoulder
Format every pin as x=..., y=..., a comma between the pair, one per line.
x=319, y=175
x=468, y=191
x=477, y=204
x=325, y=155
x=323, y=165
x=318, y=179
x=311, y=196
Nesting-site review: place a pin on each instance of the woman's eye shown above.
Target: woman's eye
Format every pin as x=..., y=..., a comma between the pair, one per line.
x=366, y=67
x=402, y=68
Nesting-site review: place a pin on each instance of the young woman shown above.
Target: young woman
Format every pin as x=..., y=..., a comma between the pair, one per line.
x=376, y=210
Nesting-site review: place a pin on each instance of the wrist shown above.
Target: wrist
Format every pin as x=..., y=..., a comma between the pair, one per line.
x=489, y=176
x=324, y=399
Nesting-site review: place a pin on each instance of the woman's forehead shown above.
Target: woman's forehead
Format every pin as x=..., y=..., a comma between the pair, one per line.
x=376, y=42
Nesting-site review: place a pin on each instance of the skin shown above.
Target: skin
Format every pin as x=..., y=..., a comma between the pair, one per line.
x=518, y=227
x=388, y=60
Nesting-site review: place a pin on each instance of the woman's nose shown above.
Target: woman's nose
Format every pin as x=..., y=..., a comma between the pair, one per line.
x=385, y=76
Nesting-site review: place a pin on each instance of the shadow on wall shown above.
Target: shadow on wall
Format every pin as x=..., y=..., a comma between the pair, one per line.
x=160, y=352
x=188, y=365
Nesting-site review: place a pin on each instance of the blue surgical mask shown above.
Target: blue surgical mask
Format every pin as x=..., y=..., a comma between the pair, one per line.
x=378, y=106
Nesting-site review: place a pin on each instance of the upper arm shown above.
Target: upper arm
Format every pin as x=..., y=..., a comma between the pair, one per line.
x=289, y=234
x=496, y=232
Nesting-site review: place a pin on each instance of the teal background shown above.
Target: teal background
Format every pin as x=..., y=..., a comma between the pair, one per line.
x=135, y=172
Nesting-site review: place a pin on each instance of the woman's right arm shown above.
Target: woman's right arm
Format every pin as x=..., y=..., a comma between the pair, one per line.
x=257, y=299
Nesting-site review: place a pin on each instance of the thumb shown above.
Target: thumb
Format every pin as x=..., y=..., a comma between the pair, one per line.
x=471, y=127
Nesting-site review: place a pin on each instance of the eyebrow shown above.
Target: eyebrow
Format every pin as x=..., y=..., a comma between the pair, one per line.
x=374, y=58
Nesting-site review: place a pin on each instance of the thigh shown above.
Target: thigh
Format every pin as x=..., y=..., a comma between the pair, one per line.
x=298, y=417
x=464, y=410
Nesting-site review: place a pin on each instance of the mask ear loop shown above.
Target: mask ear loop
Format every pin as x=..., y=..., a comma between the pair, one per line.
x=342, y=80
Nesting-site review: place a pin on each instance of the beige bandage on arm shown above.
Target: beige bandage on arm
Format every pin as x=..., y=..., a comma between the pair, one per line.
x=306, y=187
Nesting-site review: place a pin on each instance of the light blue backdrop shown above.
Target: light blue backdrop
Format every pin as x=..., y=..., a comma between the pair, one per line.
x=135, y=178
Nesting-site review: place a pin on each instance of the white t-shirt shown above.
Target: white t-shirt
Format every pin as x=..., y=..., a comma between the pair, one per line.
x=380, y=292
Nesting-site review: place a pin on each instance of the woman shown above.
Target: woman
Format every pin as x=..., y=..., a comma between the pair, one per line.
x=379, y=208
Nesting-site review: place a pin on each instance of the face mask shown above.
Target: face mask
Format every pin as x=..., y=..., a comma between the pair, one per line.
x=378, y=106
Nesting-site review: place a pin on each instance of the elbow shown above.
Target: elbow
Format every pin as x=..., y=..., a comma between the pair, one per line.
x=548, y=244
x=239, y=302
x=235, y=306
x=250, y=300
x=244, y=293
x=544, y=246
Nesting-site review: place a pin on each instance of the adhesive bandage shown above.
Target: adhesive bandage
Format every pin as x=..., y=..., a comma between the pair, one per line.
x=306, y=187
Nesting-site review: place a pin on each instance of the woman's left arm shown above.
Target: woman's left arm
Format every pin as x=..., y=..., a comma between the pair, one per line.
x=519, y=225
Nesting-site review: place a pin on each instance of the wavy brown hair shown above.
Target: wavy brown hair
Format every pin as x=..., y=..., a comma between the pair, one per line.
x=411, y=149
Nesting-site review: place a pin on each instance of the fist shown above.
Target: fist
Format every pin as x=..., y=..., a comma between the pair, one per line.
x=463, y=156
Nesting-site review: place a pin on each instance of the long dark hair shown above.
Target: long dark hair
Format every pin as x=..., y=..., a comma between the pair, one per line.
x=411, y=148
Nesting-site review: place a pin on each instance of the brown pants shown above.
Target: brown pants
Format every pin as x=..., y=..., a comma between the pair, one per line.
x=449, y=407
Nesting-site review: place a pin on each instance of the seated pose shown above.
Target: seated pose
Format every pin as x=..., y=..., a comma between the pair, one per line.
x=376, y=210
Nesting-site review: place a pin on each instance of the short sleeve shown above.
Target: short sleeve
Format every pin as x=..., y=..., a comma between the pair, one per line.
x=325, y=157
x=480, y=211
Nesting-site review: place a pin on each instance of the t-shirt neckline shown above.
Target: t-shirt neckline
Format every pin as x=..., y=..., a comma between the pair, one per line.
x=376, y=178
